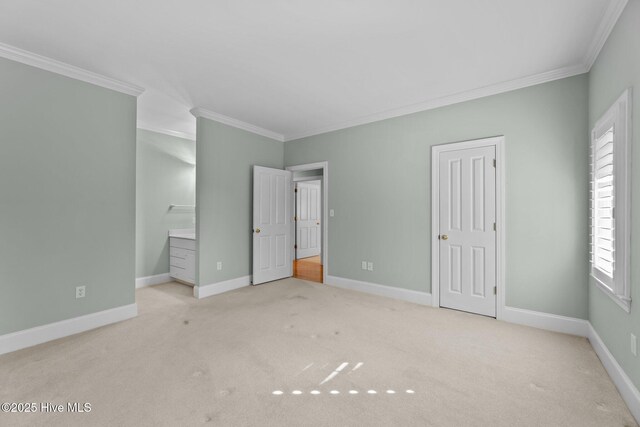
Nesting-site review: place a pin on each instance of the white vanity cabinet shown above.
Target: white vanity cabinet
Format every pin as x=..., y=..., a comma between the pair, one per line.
x=182, y=257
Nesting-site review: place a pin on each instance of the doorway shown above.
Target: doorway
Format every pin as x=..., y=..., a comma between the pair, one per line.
x=310, y=224
x=467, y=227
x=307, y=217
x=307, y=264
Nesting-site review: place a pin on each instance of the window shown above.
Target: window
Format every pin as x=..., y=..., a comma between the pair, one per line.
x=610, y=197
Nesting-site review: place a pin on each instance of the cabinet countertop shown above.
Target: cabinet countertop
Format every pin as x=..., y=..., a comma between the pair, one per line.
x=183, y=234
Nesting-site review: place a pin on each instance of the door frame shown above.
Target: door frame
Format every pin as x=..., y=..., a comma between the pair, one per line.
x=325, y=211
x=436, y=150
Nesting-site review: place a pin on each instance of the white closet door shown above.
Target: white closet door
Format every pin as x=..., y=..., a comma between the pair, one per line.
x=467, y=235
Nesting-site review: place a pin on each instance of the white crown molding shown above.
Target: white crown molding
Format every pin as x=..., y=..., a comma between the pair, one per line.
x=609, y=19
x=608, y=22
x=230, y=121
x=49, y=64
x=221, y=287
x=456, y=98
x=178, y=134
x=52, y=331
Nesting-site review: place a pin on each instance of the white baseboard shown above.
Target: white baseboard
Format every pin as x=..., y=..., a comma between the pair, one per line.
x=550, y=322
x=582, y=328
x=142, y=282
x=627, y=389
x=536, y=319
x=220, y=287
x=41, y=334
x=380, y=290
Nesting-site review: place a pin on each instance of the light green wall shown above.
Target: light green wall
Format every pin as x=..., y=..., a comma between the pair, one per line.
x=380, y=186
x=67, y=199
x=617, y=68
x=226, y=156
x=165, y=175
x=306, y=174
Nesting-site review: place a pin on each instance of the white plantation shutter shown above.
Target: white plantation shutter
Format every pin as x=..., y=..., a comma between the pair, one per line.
x=603, y=221
x=610, y=197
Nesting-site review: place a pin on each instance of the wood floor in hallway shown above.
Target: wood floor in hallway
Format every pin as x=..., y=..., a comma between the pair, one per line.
x=308, y=269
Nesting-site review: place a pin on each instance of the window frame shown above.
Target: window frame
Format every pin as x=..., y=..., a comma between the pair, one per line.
x=617, y=116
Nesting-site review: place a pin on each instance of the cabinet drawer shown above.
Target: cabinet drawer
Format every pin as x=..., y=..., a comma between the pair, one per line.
x=182, y=243
x=181, y=274
x=177, y=262
x=178, y=252
x=177, y=272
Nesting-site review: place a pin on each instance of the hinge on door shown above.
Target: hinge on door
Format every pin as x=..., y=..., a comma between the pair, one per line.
x=494, y=163
x=494, y=226
x=495, y=290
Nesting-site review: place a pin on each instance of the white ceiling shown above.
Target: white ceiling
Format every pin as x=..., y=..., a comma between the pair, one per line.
x=301, y=67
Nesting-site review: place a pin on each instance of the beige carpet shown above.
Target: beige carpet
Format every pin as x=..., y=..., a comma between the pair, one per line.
x=217, y=361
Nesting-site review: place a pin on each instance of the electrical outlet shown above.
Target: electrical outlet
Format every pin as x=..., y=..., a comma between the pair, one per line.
x=364, y=265
x=80, y=291
x=219, y=265
x=370, y=266
x=634, y=345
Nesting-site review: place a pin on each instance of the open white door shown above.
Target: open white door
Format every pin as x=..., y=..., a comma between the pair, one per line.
x=308, y=229
x=272, y=224
x=467, y=230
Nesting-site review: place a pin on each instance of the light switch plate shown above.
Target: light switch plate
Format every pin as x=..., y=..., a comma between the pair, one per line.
x=364, y=265
x=634, y=345
x=370, y=266
x=219, y=266
x=331, y=212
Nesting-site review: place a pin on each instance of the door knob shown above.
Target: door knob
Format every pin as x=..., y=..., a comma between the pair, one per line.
x=444, y=237
x=257, y=230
